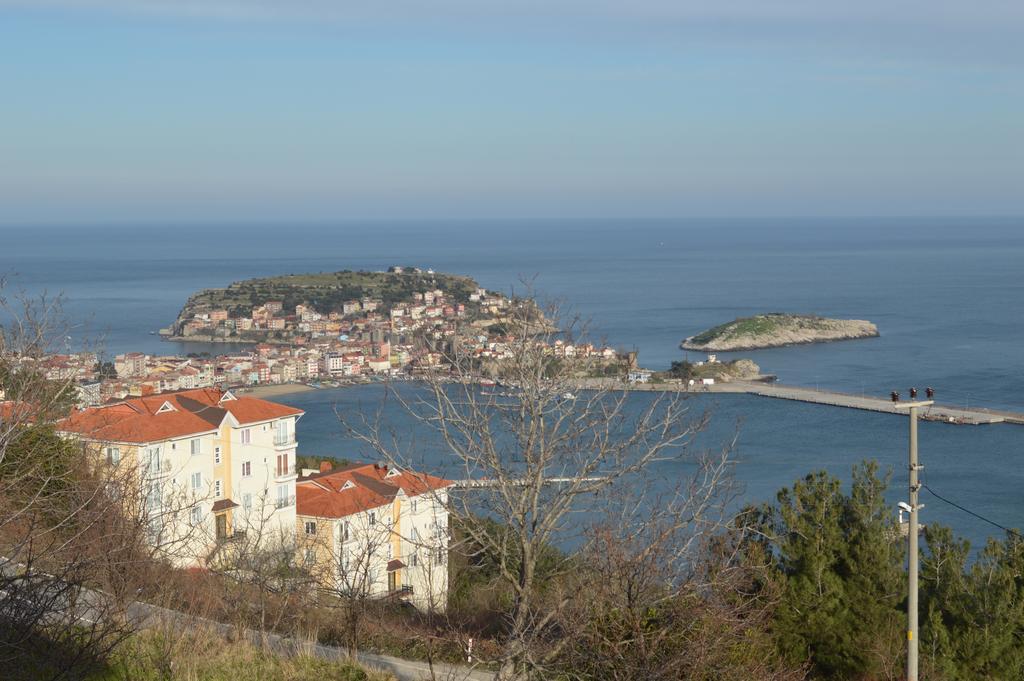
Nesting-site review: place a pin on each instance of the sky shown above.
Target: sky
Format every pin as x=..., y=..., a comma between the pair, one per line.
x=139, y=111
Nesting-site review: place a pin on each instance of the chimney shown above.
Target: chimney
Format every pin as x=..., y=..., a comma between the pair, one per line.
x=325, y=466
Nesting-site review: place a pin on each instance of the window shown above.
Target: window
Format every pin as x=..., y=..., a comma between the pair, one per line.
x=282, y=496
x=195, y=445
x=439, y=556
x=390, y=556
x=113, y=455
x=196, y=515
x=310, y=527
x=246, y=469
x=412, y=504
x=154, y=459
x=197, y=481
x=217, y=486
x=281, y=433
x=282, y=465
x=216, y=454
x=345, y=532
x=155, y=528
x=154, y=499
x=310, y=557
x=373, y=518
x=412, y=560
x=247, y=502
x=246, y=436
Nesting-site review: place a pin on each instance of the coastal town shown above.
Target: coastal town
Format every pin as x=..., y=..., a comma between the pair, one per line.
x=365, y=339
x=511, y=341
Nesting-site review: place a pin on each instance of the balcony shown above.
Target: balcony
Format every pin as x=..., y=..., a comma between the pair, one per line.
x=284, y=439
x=284, y=502
x=284, y=471
x=397, y=593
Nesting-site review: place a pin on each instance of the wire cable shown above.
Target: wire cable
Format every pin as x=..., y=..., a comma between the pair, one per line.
x=970, y=512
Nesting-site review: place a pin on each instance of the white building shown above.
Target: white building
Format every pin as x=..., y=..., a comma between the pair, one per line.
x=208, y=465
x=334, y=364
x=639, y=376
x=370, y=530
x=130, y=364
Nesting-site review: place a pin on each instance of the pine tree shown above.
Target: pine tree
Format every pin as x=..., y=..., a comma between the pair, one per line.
x=974, y=618
x=840, y=560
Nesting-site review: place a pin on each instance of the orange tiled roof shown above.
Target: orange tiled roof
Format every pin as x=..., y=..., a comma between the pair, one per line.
x=324, y=495
x=15, y=412
x=193, y=411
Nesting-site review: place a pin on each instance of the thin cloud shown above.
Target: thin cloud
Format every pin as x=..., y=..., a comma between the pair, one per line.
x=948, y=31
x=1001, y=15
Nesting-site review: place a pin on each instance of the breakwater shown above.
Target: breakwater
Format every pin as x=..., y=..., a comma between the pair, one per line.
x=936, y=412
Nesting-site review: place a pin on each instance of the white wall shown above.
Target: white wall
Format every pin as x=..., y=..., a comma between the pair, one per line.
x=190, y=544
x=263, y=482
x=422, y=533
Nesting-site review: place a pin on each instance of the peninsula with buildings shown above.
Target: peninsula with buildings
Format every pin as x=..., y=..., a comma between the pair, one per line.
x=333, y=329
x=295, y=309
x=776, y=330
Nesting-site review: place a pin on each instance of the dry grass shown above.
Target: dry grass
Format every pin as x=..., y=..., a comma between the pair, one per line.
x=205, y=656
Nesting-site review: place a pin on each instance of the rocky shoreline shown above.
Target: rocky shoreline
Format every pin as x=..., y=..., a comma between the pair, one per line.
x=778, y=330
x=199, y=338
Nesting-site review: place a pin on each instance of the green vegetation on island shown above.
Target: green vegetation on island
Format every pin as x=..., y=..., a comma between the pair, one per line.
x=777, y=329
x=736, y=370
x=327, y=292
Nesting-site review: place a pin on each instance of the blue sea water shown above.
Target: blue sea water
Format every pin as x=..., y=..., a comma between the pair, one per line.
x=947, y=295
x=776, y=442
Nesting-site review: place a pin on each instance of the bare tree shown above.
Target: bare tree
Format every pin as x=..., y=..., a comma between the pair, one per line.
x=260, y=558
x=52, y=508
x=549, y=460
x=82, y=534
x=668, y=601
x=344, y=559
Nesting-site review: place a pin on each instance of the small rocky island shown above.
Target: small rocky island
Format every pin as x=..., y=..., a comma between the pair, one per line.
x=777, y=329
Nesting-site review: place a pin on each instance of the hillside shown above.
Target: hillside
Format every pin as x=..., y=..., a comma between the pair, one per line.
x=325, y=291
x=777, y=329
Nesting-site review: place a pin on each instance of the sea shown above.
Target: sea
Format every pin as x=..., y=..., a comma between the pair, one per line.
x=947, y=295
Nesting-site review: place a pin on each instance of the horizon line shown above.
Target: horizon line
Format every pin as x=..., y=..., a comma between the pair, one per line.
x=208, y=222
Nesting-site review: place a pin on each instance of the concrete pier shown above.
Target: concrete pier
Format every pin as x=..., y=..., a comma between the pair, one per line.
x=937, y=412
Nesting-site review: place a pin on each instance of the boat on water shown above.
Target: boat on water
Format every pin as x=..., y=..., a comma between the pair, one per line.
x=568, y=396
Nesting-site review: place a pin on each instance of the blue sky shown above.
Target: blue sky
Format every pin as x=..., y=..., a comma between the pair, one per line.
x=136, y=110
